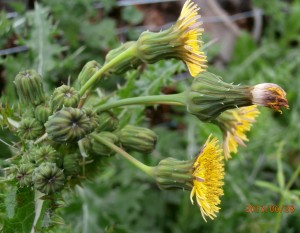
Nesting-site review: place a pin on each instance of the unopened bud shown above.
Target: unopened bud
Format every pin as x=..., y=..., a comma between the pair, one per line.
x=29, y=87
x=64, y=96
x=88, y=71
x=24, y=175
x=67, y=125
x=30, y=129
x=47, y=154
x=42, y=112
x=107, y=121
x=71, y=164
x=137, y=138
x=48, y=178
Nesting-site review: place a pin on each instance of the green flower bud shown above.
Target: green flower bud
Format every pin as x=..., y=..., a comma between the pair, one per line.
x=137, y=138
x=67, y=125
x=29, y=87
x=42, y=112
x=171, y=173
x=92, y=117
x=30, y=129
x=64, y=96
x=130, y=62
x=88, y=71
x=48, y=178
x=24, y=175
x=209, y=96
x=47, y=154
x=107, y=121
x=71, y=165
x=29, y=156
x=101, y=149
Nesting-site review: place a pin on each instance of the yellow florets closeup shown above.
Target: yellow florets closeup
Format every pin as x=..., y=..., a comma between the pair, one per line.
x=208, y=173
x=235, y=123
x=191, y=34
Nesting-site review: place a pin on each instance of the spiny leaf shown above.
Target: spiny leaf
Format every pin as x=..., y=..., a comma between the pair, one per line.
x=44, y=50
x=20, y=210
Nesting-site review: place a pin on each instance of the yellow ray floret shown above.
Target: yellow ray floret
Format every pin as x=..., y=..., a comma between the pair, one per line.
x=235, y=123
x=208, y=173
x=190, y=37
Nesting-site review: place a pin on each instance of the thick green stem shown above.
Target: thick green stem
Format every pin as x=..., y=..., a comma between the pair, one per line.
x=129, y=52
x=174, y=99
x=147, y=169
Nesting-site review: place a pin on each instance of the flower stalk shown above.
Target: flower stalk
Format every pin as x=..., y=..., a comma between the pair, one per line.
x=88, y=85
x=173, y=99
x=146, y=169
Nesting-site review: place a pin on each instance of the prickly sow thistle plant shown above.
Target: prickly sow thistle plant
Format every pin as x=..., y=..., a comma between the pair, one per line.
x=61, y=139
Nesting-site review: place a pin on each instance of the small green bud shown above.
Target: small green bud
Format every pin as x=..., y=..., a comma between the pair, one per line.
x=29, y=156
x=47, y=154
x=29, y=87
x=92, y=118
x=71, y=165
x=101, y=149
x=48, y=178
x=209, y=96
x=88, y=71
x=107, y=121
x=30, y=129
x=24, y=175
x=64, y=96
x=42, y=112
x=67, y=125
x=130, y=62
x=171, y=173
x=137, y=138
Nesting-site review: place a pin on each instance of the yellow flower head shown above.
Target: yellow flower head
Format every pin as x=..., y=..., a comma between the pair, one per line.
x=190, y=37
x=235, y=123
x=181, y=41
x=208, y=175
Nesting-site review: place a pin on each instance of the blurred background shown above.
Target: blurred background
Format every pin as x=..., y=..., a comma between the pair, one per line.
x=247, y=42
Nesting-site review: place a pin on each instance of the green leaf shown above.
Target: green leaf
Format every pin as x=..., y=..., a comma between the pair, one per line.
x=43, y=49
x=20, y=210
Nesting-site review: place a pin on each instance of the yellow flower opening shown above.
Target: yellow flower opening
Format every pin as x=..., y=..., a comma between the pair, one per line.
x=190, y=37
x=208, y=173
x=235, y=123
x=181, y=41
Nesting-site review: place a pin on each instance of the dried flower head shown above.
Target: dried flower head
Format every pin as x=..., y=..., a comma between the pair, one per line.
x=269, y=95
